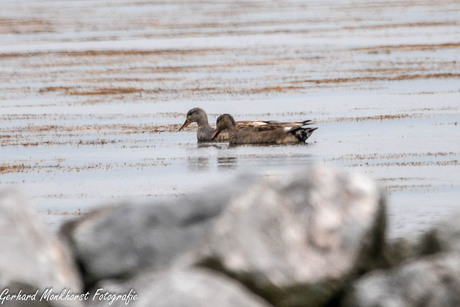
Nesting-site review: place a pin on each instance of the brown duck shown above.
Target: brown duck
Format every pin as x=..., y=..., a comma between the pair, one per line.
x=205, y=131
x=266, y=134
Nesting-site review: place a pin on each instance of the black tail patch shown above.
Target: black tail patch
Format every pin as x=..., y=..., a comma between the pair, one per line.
x=302, y=133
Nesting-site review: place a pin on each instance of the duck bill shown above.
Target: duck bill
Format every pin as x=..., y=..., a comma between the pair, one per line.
x=187, y=122
x=215, y=134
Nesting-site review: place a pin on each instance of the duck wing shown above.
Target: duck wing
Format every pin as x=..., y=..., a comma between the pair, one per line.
x=251, y=123
x=271, y=124
x=289, y=124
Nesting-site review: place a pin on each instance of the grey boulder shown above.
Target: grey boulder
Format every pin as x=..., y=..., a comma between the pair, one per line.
x=181, y=288
x=31, y=258
x=444, y=237
x=299, y=240
x=121, y=241
x=430, y=281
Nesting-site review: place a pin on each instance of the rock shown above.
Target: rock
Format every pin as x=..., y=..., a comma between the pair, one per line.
x=118, y=242
x=401, y=250
x=297, y=241
x=31, y=258
x=181, y=288
x=444, y=237
x=431, y=281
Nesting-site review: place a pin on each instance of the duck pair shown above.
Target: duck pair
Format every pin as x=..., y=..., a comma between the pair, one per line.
x=248, y=132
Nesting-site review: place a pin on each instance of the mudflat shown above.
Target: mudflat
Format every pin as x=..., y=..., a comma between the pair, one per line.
x=92, y=96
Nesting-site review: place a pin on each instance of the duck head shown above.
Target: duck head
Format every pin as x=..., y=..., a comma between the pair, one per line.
x=195, y=115
x=225, y=121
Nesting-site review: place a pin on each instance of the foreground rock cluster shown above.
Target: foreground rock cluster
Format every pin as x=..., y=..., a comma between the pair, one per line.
x=310, y=238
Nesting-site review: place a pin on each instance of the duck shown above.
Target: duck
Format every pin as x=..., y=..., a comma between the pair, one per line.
x=205, y=131
x=265, y=134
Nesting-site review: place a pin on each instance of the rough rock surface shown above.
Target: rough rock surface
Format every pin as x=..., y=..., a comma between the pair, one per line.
x=298, y=240
x=183, y=288
x=119, y=242
x=31, y=258
x=430, y=281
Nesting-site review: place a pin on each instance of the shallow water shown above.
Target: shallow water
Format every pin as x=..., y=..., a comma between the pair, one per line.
x=92, y=97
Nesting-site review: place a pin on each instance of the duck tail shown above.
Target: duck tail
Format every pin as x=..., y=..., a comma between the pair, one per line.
x=307, y=122
x=302, y=133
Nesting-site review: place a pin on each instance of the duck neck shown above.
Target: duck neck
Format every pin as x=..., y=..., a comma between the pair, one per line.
x=202, y=121
x=232, y=128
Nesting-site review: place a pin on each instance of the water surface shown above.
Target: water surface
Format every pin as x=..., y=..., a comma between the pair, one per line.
x=92, y=97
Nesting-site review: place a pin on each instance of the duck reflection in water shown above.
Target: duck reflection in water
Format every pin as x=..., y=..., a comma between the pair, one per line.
x=227, y=162
x=198, y=163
